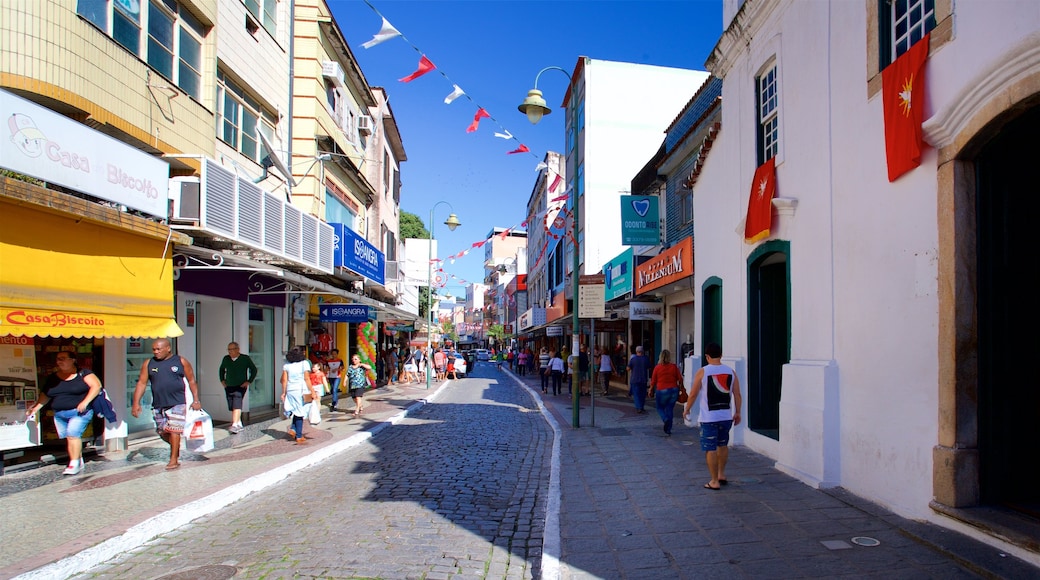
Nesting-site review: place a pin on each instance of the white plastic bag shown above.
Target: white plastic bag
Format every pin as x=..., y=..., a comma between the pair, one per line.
x=198, y=431
x=314, y=413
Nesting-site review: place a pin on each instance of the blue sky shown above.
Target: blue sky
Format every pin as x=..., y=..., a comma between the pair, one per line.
x=493, y=50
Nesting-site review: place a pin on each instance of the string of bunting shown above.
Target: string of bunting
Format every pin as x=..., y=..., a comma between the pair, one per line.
x=388, y=32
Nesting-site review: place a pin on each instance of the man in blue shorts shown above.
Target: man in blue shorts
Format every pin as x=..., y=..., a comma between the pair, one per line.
x=715, y=387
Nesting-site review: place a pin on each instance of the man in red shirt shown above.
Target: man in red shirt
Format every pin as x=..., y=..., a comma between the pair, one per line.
x=440, y=362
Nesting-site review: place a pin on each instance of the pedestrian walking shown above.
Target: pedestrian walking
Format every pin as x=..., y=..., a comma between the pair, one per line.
x=167, y=373
x=606, y=368
x=70, y=392
x=556, y=369
x=237, y=371
x=296, y=385
x=335, y=373
x=357, y=381
x=638, y=375
x=521, y=362
x=584, y=368
x=664, y=385
x=543, y=368
x=717, y=390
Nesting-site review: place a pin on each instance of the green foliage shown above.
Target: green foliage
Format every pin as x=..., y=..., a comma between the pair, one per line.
x=424, y=302
x=497, y=331
x=412, y=227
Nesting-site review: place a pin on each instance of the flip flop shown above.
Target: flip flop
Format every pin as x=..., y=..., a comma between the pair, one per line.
x=708, y=486
x=172, y=467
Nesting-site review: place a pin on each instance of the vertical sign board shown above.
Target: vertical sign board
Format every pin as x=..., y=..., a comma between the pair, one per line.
x=640, y=220
x=590, y=301
x=617, y=275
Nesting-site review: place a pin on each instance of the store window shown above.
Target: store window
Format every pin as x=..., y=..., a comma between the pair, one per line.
x=239, y=118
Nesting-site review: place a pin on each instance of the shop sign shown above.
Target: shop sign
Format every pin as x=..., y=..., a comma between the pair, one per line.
x=640, y=220
x=646, y=311
x=56, y=149
x=533, y=317
x=343, y=313
x=353, y=252
x=18, y=389
x=553, y=331
x=673, y=264
x=617, y=275
x=400, y=327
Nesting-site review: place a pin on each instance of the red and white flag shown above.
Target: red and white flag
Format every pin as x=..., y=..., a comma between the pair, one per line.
x=903, y=88
x=481, y=114
x=760, y=205
x=425, y=66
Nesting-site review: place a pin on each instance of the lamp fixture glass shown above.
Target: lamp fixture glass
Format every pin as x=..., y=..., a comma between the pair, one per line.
x=452, y=222
x=534, y=106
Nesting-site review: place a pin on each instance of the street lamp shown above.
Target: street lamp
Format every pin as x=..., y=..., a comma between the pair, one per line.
x=452, y=222
x=534, y=107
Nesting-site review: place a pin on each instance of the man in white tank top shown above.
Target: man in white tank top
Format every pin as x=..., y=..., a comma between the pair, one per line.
x=715, y=387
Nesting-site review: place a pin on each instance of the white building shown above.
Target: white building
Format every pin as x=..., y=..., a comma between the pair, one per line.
x=876, y=329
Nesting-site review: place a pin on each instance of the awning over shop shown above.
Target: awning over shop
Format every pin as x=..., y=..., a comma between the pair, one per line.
x=63, y=276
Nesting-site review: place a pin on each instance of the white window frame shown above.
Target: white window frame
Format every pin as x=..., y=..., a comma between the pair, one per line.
x=247, y=108
x=103, y=15
x=915, y=15
x=767, y=106
x=265, y=12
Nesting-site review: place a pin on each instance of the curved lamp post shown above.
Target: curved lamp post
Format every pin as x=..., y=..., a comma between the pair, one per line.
x=534, y=107
x=452, y=222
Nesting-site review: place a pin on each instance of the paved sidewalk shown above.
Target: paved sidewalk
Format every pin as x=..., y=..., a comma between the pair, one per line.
x=633, y=507
x=53, y=526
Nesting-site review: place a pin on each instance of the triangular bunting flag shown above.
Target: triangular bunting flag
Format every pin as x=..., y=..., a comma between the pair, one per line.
x=760, y=204
x=458, y=92
x=385, y=33
x=902, y=87
x=521, y=149
x=481, y=114
x=555, y=182
x=541, y=165
x=425, y=66
x=507, y=135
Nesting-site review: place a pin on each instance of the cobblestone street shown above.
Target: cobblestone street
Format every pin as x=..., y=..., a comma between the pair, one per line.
x=459, y=487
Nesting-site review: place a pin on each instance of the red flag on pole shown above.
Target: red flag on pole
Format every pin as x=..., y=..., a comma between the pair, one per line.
x=481, y=114
x=902, y=87
x=760, y=205
x=425, y=66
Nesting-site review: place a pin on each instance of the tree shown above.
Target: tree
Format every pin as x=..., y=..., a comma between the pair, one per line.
x=412, y=227
x=497, y=332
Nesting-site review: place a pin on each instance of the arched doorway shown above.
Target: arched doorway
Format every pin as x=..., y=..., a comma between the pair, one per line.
x=769, y=334
x=1008, y=398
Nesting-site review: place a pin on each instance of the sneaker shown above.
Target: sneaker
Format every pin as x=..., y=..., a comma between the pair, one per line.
x=74, y=467
x=301, y=440
x=236, y=428
x=292, y=433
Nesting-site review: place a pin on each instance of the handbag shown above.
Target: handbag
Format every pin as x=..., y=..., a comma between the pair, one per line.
x=314, y=414
x=683, y=397
x=198, y=427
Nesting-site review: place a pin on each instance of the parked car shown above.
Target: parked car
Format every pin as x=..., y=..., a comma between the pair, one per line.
x=483, y=354
x=460, y=365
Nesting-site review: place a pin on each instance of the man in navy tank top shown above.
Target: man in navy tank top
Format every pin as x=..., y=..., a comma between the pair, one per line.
x=167, y=373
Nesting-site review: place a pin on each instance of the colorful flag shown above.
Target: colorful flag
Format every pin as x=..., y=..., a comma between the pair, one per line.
x=555, y=182
x=425, y=66
x=458, y=92
x=385, y=33
x=481, y=114
x=760, y=204
x=903, y=90
x=521, y=149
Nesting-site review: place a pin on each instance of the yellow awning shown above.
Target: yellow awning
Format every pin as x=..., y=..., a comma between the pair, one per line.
x=62, y=276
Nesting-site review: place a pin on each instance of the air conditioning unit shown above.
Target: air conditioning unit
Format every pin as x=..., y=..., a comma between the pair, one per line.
x=185, y=199
x=364, y=125
x=333, y=71
x=392, y=272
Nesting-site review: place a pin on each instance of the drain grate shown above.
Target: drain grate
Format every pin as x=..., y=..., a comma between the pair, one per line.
x=215, y=572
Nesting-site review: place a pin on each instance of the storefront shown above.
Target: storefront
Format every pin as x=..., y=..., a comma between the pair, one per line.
x=77, y=275
x=664, y=301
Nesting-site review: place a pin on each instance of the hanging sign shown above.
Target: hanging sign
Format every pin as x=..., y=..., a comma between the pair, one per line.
x=673, y=264
x=343, y=313
x=640, y=220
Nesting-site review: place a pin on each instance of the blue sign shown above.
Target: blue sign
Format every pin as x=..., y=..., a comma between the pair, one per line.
x=355, y=253
x=640, y=220
x=343, y=313
x=617, y=275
